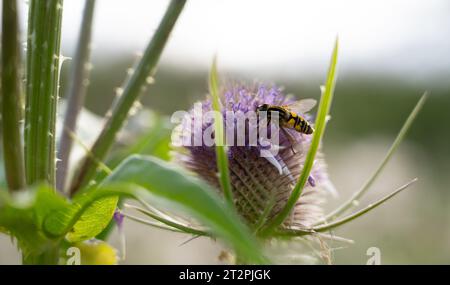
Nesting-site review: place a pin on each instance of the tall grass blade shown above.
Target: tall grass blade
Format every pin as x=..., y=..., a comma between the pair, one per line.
x=324, y=107
x=221, y=152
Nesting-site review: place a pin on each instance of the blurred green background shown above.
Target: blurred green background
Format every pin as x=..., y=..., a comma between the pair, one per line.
x=387, y=61
x=367, y=114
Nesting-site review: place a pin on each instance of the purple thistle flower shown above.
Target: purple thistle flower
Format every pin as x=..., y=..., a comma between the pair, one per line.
x=260, y=184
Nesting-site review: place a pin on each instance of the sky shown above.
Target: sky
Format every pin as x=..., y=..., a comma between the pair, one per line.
x=278, y=37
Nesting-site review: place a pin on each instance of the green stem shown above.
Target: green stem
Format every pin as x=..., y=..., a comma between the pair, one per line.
x=43, y=58
x=11, y=93
x=48, y=257
x=76, y=93
x=134, y=86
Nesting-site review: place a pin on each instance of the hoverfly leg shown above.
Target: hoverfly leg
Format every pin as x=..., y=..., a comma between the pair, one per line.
x=268, y=121
x=290, y=139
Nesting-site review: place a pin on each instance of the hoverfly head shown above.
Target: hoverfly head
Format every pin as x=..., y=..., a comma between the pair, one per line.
x=262, y=108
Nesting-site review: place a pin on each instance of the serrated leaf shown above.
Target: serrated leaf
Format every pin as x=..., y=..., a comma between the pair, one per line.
x=83, y=219
x=94, y=220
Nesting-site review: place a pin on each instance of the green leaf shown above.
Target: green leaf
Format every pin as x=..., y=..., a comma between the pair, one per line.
x=221, y=152
x=165, y=186
x=94, y=220
x=174, y=189
x=155, y=141
x=22, y=215
x=324, y=108
x=84, y=218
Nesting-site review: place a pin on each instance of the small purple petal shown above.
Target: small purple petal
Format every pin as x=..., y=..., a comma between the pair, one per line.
x=312, y=181
x=118, y=217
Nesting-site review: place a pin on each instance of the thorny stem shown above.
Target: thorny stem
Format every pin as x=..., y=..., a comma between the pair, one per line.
x=11, y=96
x=76, y=93
x=43, y=68
x=134, y=86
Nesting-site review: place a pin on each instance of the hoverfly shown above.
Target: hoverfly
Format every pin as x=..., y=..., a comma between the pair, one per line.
x=289, y=116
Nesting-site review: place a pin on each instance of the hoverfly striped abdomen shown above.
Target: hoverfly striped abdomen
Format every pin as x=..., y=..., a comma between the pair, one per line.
x=301, y=125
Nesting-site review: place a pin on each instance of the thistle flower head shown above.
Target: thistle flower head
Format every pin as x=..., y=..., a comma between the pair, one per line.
x=261, y=185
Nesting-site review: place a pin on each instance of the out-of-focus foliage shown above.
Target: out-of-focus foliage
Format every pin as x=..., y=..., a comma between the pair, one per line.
x=97, y=253
x=23, y=214
x=43, y=217
x=91, y=252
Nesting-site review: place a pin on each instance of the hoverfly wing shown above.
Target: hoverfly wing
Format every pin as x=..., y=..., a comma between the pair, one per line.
x=295, y=147
x=302, y=106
